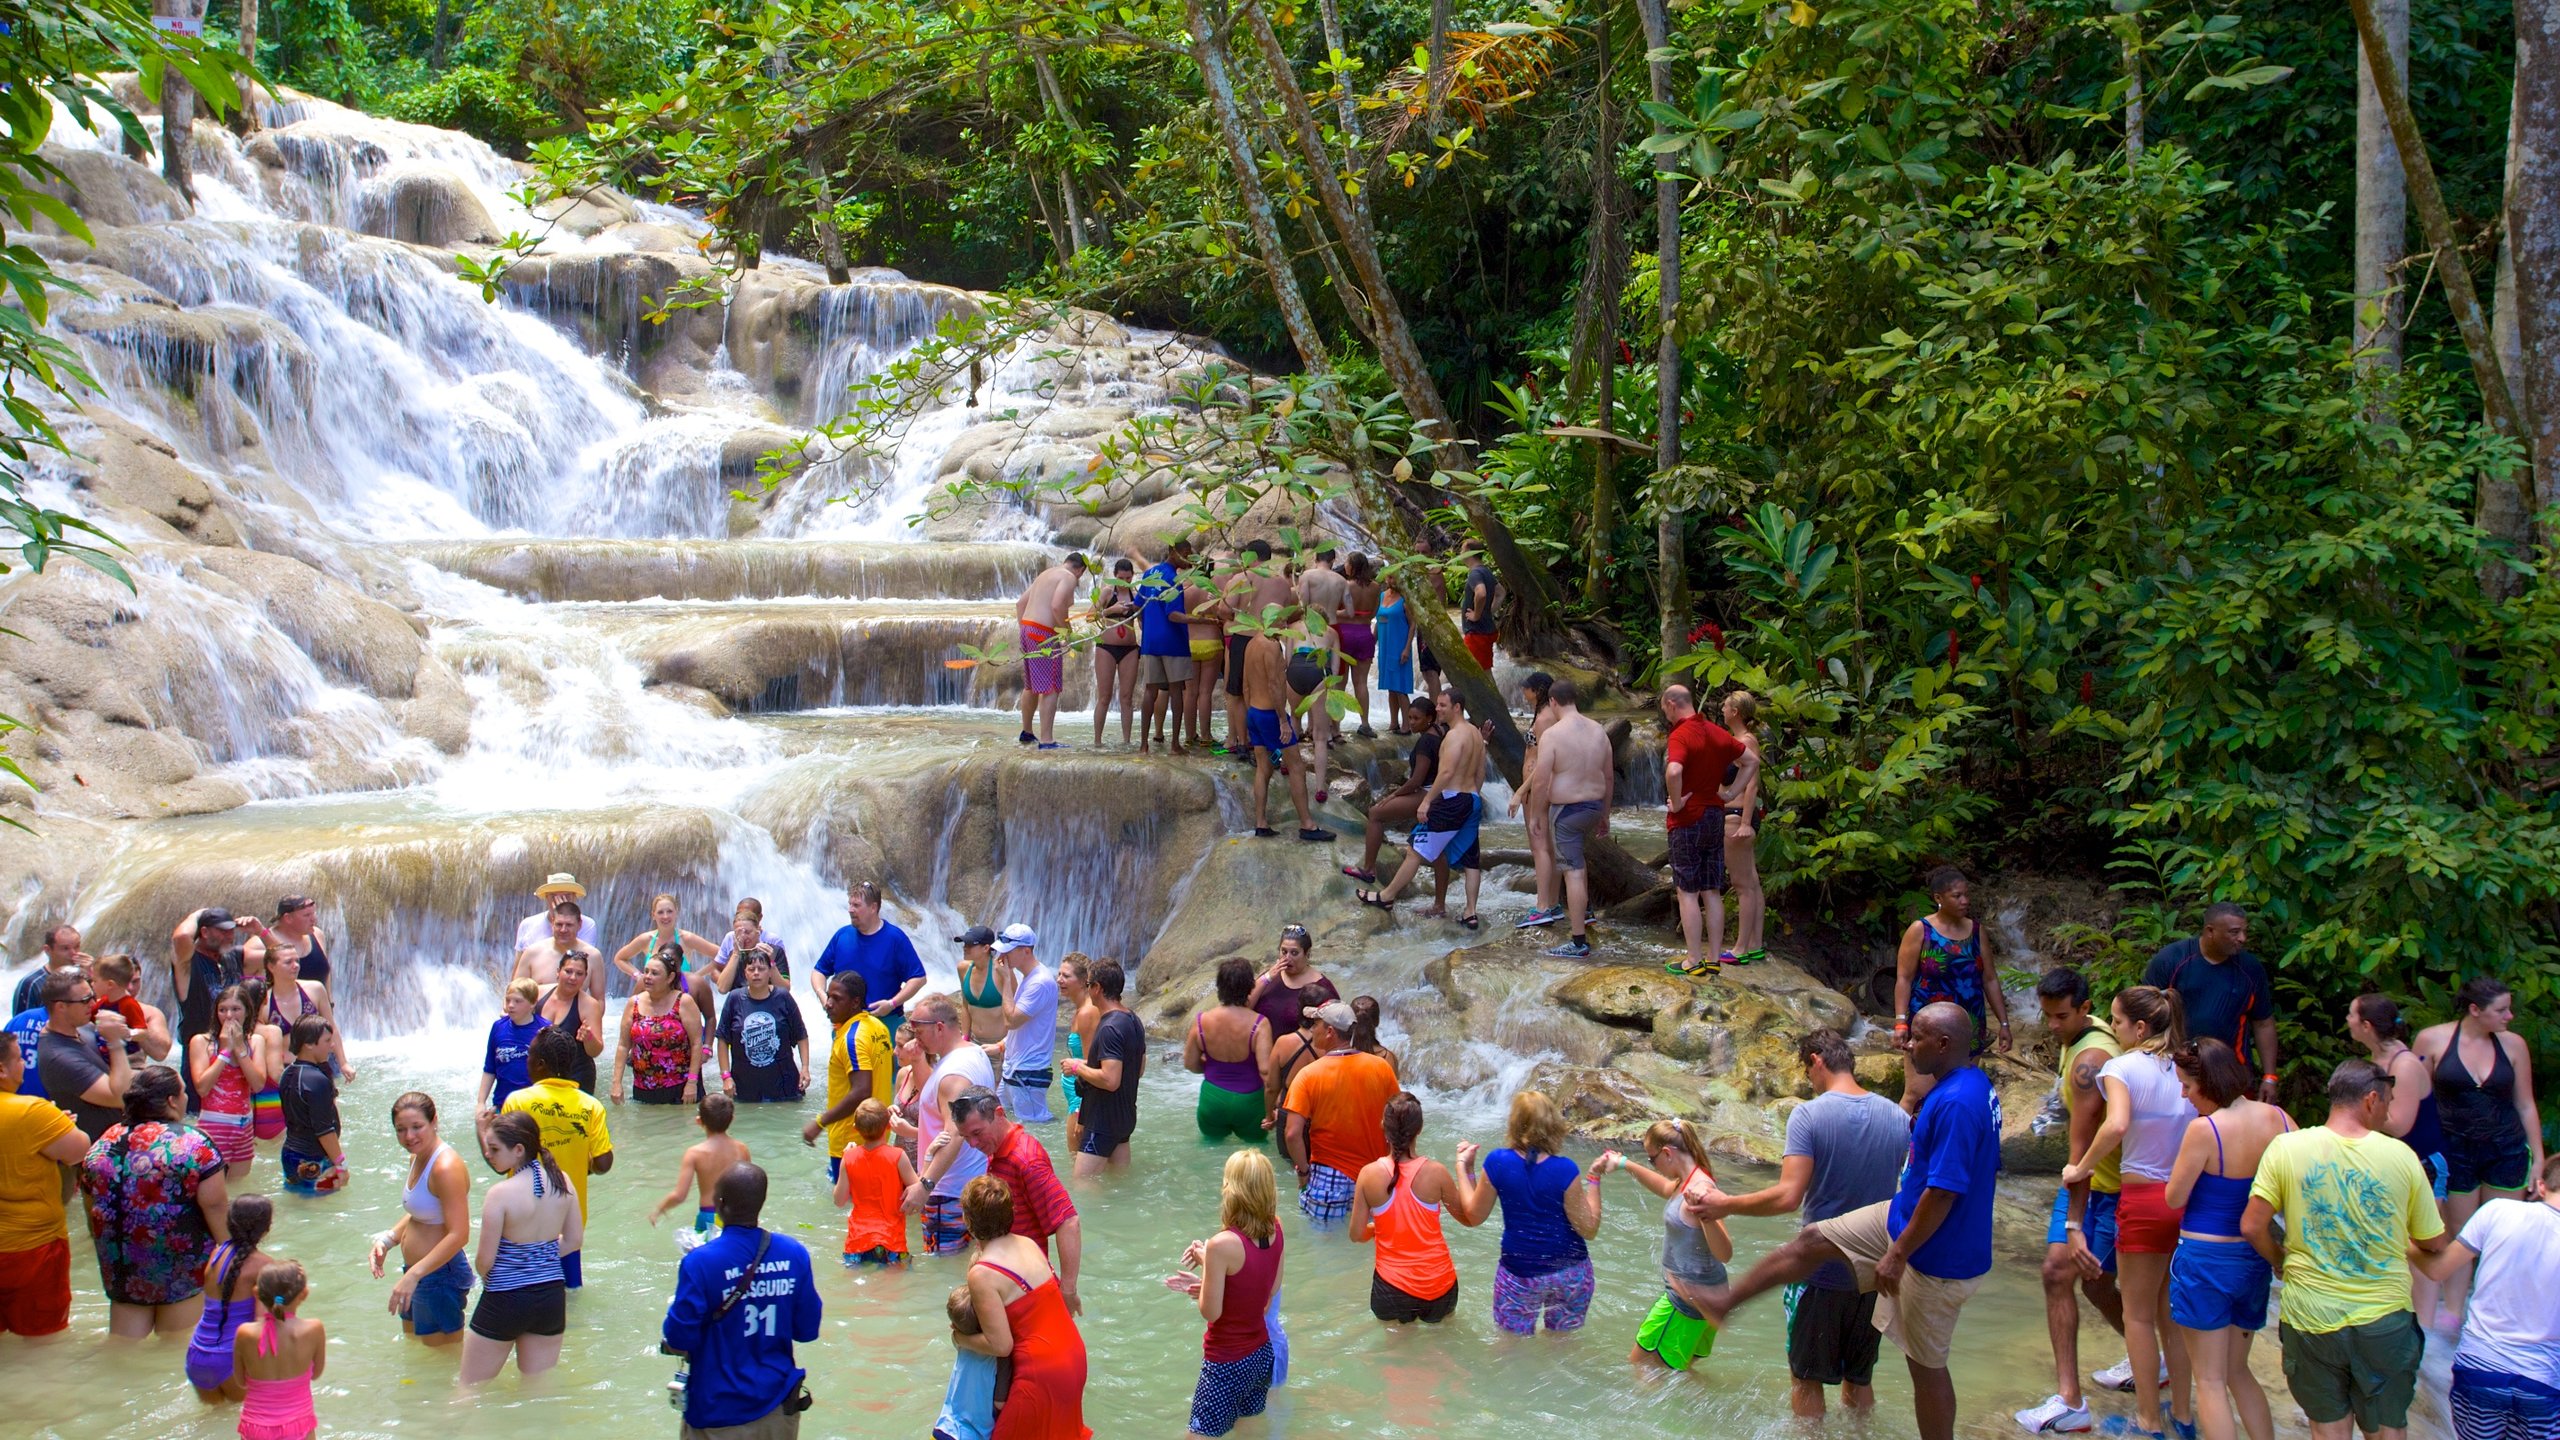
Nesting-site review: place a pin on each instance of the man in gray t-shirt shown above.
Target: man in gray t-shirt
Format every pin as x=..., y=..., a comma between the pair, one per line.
x=1845, y=1149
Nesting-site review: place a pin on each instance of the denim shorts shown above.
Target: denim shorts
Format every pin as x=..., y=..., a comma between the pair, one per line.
x=436, y=1305
x=2097, y=1225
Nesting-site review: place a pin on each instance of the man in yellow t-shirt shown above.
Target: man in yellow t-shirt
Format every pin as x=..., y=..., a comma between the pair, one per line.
x=36, y=1140
x=2354, y=1200
x=861, y=1047
x=574, y=1132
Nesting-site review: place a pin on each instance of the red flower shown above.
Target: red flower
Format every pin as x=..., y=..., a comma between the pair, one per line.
x=1951, y=650
x=1977, y=583
x=1715, y=632
x=1626, y=353
x=2088, y=688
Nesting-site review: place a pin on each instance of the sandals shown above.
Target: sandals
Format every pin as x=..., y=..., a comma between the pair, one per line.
x=1365, y=877
x=1373, y=898
x=1472, y=922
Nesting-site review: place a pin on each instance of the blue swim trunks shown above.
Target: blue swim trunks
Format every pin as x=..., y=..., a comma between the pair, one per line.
x=436, y=1305
x=1326, y=1197
x=2218, y=1285
x=2098, y=1225
x=1268, y=731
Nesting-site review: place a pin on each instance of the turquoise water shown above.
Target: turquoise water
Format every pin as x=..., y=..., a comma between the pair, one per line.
x=880, y=1368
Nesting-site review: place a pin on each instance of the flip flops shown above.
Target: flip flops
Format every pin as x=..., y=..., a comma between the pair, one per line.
x=1365, y=877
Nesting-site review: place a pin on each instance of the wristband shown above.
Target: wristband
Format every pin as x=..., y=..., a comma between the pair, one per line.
x=2070, y=1224
x=2270, y=1077
x=385, y=1240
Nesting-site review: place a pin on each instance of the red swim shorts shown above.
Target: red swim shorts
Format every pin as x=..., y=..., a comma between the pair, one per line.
x=35, y=1290
x=2145, y=1225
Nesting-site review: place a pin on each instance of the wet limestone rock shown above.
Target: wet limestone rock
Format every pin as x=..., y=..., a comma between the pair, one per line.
x=424, y=206
x=591, y=209
x=1622, y=995
x=105, y=189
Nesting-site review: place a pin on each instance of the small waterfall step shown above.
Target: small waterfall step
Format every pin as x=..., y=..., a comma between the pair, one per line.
x=748, y=569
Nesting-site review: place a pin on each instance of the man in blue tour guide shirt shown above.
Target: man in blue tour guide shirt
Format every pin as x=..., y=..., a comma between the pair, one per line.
x=1925, y=1250
x=880, y=952
x=738, y=1330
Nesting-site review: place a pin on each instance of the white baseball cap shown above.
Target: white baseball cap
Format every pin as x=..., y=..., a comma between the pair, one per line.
x=1017, y=936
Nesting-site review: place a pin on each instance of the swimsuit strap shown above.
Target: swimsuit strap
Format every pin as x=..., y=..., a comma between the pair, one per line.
x=2219, y=1166
x=536, y=1168
x=267, y=1343
x=1007, y=1273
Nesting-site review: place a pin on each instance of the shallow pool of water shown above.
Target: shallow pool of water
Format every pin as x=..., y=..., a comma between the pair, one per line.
x=880, y=1368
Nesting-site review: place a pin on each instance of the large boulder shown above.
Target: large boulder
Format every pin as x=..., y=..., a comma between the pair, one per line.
x=105, y=189
x=422, y=206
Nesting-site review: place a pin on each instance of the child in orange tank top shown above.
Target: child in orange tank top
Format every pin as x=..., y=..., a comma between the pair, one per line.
x=874, y=1182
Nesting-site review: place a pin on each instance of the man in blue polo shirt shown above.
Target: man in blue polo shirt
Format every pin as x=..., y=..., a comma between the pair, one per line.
x=1926, y=1249
x=1164, y=646
x=744, y=1384
x=880, y=952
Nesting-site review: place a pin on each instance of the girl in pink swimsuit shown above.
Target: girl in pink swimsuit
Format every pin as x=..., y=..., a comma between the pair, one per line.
x=278, y=1358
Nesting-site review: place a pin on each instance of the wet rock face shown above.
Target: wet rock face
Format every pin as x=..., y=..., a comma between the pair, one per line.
x=1622, y=995
x=425, y=207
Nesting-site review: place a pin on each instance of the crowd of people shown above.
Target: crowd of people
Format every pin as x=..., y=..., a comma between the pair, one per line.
x=2185, y=1196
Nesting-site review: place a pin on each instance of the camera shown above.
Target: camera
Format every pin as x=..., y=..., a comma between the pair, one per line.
x=683, y=1379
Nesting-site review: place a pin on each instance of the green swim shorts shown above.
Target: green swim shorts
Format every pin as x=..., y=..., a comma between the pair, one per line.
x=1227, y=1112
x=1675, y=1333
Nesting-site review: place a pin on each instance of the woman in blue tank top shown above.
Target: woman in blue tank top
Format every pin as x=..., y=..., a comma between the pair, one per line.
x=2217, y=1280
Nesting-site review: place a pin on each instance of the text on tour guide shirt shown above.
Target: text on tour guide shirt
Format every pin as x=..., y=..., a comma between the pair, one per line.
x=741, y=1367
x=1703, y=750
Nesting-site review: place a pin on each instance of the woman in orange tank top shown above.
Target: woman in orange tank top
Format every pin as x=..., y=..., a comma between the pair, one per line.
x=874, y=1181
x=1398, y=1201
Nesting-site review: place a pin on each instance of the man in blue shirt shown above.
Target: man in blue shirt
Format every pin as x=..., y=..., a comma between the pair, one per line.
x=1926, y=1249
x=743, y=1382
x=1164, y=645
x=878, y=951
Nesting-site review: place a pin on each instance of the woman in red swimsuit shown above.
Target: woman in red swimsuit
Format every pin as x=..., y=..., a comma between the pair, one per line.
x=1023, y=1315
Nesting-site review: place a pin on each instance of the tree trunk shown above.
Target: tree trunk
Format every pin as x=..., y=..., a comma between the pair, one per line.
x=1672, y=583
x=1077, y=234
x=1530, y=584
x=2498, y=510
x=177, y=111
x=1040, y=201
x=830, y=240
x=1603, y=280
x=1429, y=612
x=2459, y=292
x=1346, y=96
x=245, y=121
x=2382, y=203
x=2136, y=113
x=1435, y=75
x=1209, y=50
x=2533, y=238
x=440, y=43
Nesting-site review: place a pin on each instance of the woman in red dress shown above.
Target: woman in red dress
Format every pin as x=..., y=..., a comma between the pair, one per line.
x=1022, y=1314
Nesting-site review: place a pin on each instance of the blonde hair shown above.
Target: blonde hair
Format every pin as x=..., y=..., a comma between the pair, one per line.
x=1678, y=1135
x=1537, y=1127
x=870, y=1121
x=1746, y=706
x=1248, y=1196
x=529, y=991
x=118, y=968
x=657, y=900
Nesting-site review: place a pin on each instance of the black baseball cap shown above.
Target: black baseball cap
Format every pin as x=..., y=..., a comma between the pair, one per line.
x=975, y=935
x=215, y=917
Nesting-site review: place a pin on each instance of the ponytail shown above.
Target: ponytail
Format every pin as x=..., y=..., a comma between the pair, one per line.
x=251, y=1217
x=281, y=1287
x=516, y=1128
x=2159, y=1011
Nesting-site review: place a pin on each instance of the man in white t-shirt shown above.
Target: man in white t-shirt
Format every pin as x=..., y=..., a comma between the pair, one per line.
x=2506, y=1370
x=532, y=930
x=1031, y=1024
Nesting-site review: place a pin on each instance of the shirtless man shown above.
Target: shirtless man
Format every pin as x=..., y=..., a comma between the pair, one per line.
x=1576, y=773
x=1208, y=617
x=1447, y=835
x=1326, y=596
x=1040, y=617
x=1537, y=688
x=1274, y=738
x=540, y=961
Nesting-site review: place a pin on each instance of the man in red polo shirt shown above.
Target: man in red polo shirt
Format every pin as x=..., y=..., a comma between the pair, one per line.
x=1704, y=769
x=1015, y=1156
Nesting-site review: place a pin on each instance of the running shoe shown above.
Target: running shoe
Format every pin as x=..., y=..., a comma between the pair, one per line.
x=2119, y=1376
x=2056, y=1417
x=1535, y=918
x=1573, y=949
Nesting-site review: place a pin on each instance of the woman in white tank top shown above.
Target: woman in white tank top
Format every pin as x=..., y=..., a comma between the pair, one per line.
x=2147, y=1115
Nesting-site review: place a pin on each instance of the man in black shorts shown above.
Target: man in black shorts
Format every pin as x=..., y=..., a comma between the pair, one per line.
x=1697, y=756
x=1107, y=1077
x=1844, y=1150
